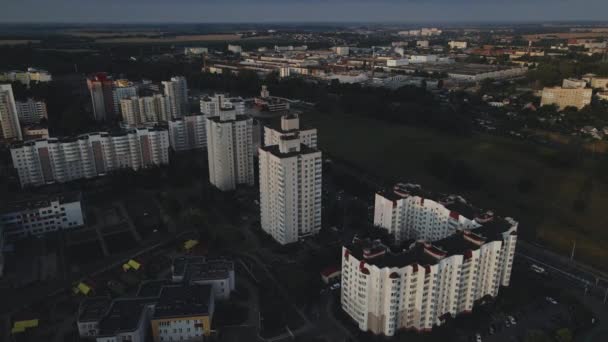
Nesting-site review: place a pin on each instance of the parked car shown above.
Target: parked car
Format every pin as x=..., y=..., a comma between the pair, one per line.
x=537, y=269
x=550, y=300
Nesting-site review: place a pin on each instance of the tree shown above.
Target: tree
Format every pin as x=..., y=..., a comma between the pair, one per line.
x=564, y=335
x=537, y=336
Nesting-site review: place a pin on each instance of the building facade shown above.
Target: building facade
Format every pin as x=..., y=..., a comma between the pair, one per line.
x=123, y=89
x=188, y=133
x=418, y=288
x=10, y=126
x=90, y=155
x=101, y=88
x=230, y=149
x=211, y=105
x=31, y=111
x=217, y=273
x=566, y=97
x=270, y=103
x=176, y=90
x=183, y=313
x=39, y=216
x=408, y=216
x=289, y=125
x=290, y=189
x=145, y=110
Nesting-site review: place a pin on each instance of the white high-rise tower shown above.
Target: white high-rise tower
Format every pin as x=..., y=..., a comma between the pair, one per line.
x=177, y=91
x=290, y=189
x=9, y=118
x=229, y=149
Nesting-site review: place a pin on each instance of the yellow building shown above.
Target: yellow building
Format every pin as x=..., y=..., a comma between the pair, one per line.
x=183, y=313
x=565, y=97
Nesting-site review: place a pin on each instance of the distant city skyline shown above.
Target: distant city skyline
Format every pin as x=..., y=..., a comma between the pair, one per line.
x=176, y=11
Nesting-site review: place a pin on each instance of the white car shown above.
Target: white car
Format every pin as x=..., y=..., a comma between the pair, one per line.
x=335, y=286
x=551, y=300
x=537, y=269
x=477, y=337
x=512, y=320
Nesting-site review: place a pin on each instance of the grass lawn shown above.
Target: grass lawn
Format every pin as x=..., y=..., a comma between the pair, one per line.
x=546, y=211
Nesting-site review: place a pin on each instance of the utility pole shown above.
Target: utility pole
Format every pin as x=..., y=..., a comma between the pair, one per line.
x=573, y=248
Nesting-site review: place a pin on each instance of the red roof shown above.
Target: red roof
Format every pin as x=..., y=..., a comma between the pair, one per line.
x=329, y=271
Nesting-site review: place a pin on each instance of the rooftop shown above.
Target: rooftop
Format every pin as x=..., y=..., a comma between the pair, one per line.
x=124, y=315
x=151, y=288
x=274, y=149
x=238, y=118
x=423, y=253
x=183, y=301
x=93, y=309
x=30, y=202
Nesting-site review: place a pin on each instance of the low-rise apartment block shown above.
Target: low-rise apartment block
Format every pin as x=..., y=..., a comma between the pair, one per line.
x=218, y=273
x=566, y=97
x=41, y=215
x=161, y=312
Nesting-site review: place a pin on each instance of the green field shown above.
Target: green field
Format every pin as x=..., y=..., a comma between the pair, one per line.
x=546, y=210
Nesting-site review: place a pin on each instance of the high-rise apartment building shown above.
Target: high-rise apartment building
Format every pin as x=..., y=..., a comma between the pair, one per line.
x=419, y=287
x=408, y=215
x=229, y=149
x=210, y=105
x=177, y=91
x=289, y=125
x=10, y=128
x=31, y=111
x=146, y=109
x=290, y=189
x=123, y=89
x=442, y=274
x=188, y=133
x=89, y=155
x=102, y=96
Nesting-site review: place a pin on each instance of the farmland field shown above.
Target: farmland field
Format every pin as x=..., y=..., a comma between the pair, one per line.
x=174, y=39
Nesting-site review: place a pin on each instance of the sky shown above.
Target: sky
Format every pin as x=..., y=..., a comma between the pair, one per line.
x=206, y=11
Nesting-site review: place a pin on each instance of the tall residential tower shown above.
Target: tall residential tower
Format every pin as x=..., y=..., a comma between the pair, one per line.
x=290, y=189
x=229, y=149
x=177, y=91
x=10, y=127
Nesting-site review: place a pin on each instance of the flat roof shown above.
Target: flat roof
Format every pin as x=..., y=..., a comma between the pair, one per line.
x=151, y=288
x=183, y=301
x=93, y=309
x=274, y=149
x=275, y=125
x=30, y=202
x=420, y=253
x=238, y=118
x=124, y=315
